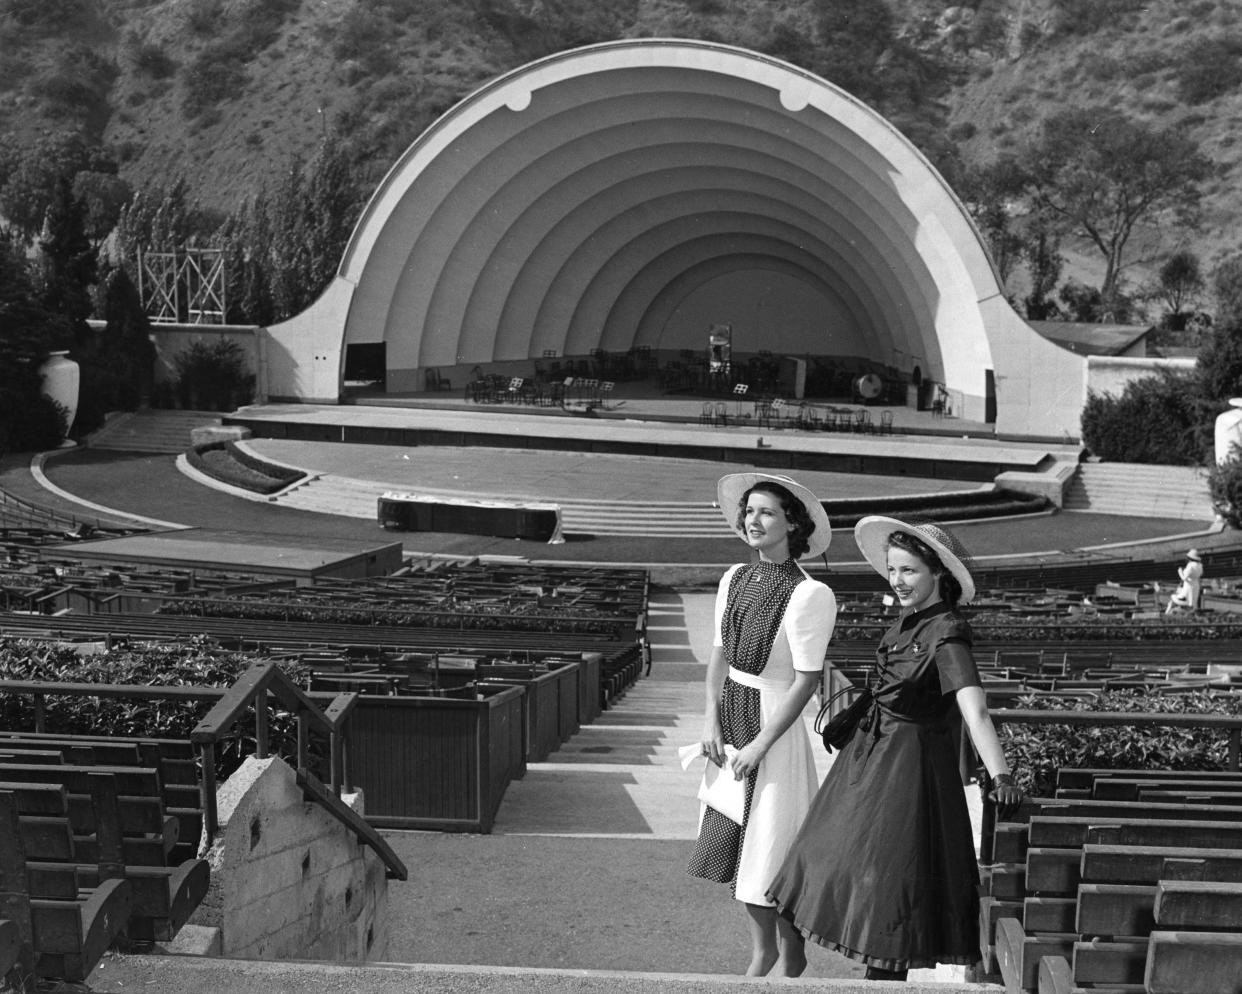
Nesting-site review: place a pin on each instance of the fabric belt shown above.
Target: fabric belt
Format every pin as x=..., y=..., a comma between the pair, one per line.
x=757, y=682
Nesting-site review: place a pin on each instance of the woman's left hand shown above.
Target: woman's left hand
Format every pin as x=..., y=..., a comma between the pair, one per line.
x=746, y=760
x=1006, y=794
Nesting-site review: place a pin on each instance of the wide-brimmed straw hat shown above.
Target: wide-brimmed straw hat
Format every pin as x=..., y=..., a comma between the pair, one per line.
x=872, y=532
x=729, y=491
x=1194, y=554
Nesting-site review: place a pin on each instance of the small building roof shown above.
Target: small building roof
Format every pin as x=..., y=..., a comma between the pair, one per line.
x=1087, y=338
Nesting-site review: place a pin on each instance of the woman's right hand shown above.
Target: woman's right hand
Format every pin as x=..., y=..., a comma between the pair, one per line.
x=712, y=743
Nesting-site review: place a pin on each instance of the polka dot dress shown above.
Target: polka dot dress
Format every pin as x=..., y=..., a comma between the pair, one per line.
x=758, y=596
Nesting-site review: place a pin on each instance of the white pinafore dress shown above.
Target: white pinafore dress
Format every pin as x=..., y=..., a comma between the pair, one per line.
x=771, y=619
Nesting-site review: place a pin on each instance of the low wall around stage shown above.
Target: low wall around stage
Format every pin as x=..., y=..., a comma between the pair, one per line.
x=1111, y=374
x=540, y=522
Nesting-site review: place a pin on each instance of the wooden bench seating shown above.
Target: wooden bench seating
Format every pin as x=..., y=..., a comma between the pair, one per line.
x=174, y=759
x=58, y=937
x=148, y=832
x=1074, y=894
x=10, y=946
x=76, y=841
x=1186, y=939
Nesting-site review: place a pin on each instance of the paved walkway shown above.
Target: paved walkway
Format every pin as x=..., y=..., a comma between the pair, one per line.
x=585, y=868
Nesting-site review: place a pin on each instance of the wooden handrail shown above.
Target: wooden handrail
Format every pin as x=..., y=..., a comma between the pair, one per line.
x=120, y=690
x=348, y=817
x=253, y=689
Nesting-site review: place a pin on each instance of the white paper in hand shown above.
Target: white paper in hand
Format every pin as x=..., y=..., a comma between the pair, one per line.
x=718, y=788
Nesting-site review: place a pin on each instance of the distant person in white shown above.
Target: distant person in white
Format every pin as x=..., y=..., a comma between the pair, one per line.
x=1186, y=597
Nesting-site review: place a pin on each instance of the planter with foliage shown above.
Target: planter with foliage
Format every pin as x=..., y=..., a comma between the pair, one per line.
x=1037, y=752
x=192, y=663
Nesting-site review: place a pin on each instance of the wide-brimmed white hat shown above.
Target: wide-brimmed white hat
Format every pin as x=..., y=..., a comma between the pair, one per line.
x=872, y=532
x=1194, y=554
x=729, y=491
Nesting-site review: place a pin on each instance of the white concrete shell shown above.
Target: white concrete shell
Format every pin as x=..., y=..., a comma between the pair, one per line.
x=634, y=193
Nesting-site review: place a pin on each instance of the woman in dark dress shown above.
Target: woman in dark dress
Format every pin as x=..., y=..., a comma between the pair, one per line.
x=884, y=868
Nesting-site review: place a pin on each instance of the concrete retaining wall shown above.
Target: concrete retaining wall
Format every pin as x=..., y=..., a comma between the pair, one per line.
x=289, y=881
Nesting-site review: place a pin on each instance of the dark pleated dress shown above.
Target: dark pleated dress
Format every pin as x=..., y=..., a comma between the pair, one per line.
x=884, y=868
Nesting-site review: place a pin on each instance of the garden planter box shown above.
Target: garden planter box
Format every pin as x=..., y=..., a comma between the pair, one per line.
x=437, y=763
x=551, y=702
x=588, y=688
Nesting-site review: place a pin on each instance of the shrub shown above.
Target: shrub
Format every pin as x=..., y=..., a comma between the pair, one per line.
x=214, y=376
x=1076, y=17
x=204, y=17
x=211, y=77
x=1225, y=485
x=1037, y=752
x=1153, y=421
x=225, y=462
x=44, y=15
x=150, y=60
x=1208, y=69
x=30, y=423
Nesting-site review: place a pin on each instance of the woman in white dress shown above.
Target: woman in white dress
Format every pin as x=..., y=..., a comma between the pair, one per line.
x=773, y=623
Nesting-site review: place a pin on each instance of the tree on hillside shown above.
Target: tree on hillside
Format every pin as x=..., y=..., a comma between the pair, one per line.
x=859, y=47
x=283, y=247
x=1042, y=252
x=160, y=219
x=1227, y=289
x=1101, y=174
x=988, y=192
x=30, y=173
x=105, y=196
x=69, y=264
x=1177, y=286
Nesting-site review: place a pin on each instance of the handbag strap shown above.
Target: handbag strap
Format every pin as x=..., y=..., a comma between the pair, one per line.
x=864, y=700
x=864, y=695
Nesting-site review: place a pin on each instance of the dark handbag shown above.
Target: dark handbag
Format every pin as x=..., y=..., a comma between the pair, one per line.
x=836, y=731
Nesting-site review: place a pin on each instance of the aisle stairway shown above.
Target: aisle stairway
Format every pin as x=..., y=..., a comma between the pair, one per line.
x=1140, y=490
x=330, y=494
x=154, y=431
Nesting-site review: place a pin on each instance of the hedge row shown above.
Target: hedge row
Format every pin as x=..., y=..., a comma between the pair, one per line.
x=476, y=616
x=1001, y=626
x=1037, y=752
x=192, y=663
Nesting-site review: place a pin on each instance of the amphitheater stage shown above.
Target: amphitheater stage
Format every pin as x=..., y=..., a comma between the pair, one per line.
x=918, y=444
x=300, y=557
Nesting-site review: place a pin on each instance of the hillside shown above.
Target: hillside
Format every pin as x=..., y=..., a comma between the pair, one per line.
x=227, y=93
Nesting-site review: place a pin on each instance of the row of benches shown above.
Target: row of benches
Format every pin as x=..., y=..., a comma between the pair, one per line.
x=91, y=850
x=1126, y=880
x=34, y=580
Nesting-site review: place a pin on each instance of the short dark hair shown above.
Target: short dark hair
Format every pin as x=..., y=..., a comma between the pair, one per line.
x=950, y=588
x=800, y=524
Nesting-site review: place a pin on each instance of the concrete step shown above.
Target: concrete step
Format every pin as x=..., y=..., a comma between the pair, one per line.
x=329, y=494
x=156, y=431
x=1140, y=490
x=191, y=975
